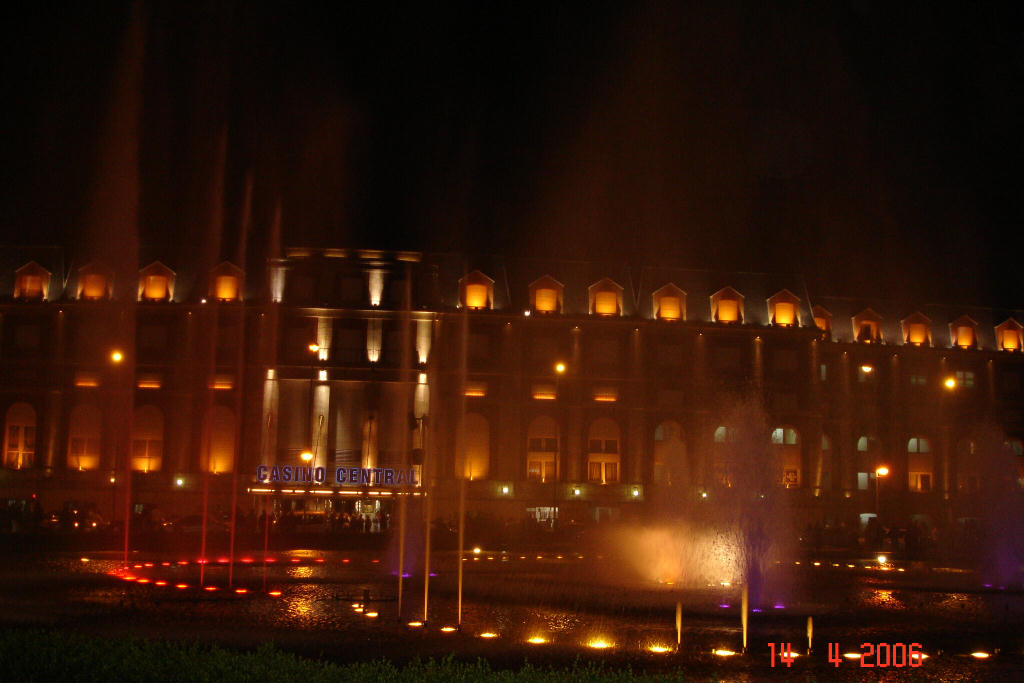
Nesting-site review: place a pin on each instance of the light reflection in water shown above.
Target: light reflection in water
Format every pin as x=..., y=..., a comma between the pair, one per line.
x=300, y=572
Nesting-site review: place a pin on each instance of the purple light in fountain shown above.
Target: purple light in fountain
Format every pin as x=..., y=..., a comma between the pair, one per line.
x=756, y=609
x=433, y=573
x=779, y=605
x=724, y=606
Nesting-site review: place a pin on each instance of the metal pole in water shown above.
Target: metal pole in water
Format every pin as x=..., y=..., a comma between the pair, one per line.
x=401, y=550
x=810, y=633
x=462, y=535
x=745, y=602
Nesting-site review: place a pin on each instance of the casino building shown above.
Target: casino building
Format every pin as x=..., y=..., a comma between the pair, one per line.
x=581, y=390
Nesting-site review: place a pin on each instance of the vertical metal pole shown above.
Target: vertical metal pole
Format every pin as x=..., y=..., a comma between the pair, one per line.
x=427, y=504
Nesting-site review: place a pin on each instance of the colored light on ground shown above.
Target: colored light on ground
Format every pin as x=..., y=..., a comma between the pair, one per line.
x=447, y=629
x=599, y=643
x=850, y=566
x=756, y=610
x=182, y=562
x=415, y=624
x=375, y=561
x=919, y=655
x=852, y=655
x=488, y=634
x=882, y=559
x=295, y=559
x=723, y=653
x=658, y=649
x=980, y=655
x=222, y=560
x=148, y=564
x=476, y=551
x=143, y=580
x=202, y=560
x=270, y=560
x=817, y=564
x=159, y=583
x=372, y=615
x=241, y=591
x=779, y=606
x=537, y=640
x=210, y=588
x=85, y=559
x=433, y=573
x=165, y=564
x=358, y=610
x=345, y=561
x=319, y=560
x=725, y=606
x=276, y=594
x=246, y=560
x=181, y=585
x=136, y=566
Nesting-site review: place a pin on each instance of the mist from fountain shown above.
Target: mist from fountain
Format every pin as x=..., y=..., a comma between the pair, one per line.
x=729, y=536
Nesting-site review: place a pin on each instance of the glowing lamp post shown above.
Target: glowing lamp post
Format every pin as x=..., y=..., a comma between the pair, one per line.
x=306, y=456
x=880, y=472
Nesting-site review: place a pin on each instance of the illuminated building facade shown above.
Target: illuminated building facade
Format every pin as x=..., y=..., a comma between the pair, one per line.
x=543, y=384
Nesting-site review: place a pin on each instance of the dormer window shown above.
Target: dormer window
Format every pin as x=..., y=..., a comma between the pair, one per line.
x=31, y=282
x=94, y=282
x=783, y=309
x=669, y=303
x=1008, y=336
x=727, y=306
x=963, y=332
x=477, y=291
x=867, y=327
x=156, y=282
x=822, y=320
x=917, y=330
x=546, y=295
x=226, y=282
x=605, y=298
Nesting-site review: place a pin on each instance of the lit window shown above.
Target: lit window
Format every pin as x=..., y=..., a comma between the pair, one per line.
x=147, y=439
x=728, y=311
x=546, y=300
x=31, y=282
x=962, y=332
x=476, y=296
x=919, y=445
x=822, y=320
x=225, y=288
x=606, y=394
x=1008, y=336
x=669, y=303
x=603, y=452
x=544, y=392
x=94, y=286
x=84, y=428
x=917, y=330
x=785, y=313
x=867, y=327
x=965, y=378
x=823, y=372
x=918, y=380
x=605, y=303
x=783, y=307
x=476, y=389
x=154, y=288
x=542, y=447
x=20, y=436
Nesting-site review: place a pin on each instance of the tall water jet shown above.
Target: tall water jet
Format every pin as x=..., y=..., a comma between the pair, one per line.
x=745, y=613
x=679, y=624
x=810, y=633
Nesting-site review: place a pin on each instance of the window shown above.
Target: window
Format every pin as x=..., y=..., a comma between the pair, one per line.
x=31, y=282
x=20, y=436
x=782, y=309
x=669, y=303
x=920, y=464
x=477, y=462
x=728, y=311
x=823, y=372
x=867, y=327
x=94, y=286
x=921, y=482
x=1008, y=336
x=785, y=443
x=965, y=378
x=918, y=380
x=221, y=457
x=155, y=288
x=477, y=291
x=727, y=306
x=917, y=330
x=603, y=452
x=784, y=436
x=84, y=428
x=822, y=320
x=546, y=300
x=147, y=439
x=605, y=303
x=919, y=445
x=542, y=449
x=670, y=466
x=963, y=332
x=546, y=295
x=225, y=288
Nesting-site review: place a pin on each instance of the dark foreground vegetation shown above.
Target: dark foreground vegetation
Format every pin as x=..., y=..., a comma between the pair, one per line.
x=40, y=655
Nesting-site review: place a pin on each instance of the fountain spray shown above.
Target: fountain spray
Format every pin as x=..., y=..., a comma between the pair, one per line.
x=744, y=617
x=810, y=633
x=679, y=625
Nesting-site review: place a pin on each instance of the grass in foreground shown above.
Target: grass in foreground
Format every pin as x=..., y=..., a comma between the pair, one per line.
x=41, y=655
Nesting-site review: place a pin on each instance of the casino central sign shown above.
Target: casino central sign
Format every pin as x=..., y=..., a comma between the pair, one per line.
x=350, y=476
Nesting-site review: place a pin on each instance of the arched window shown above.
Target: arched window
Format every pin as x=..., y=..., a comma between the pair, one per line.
x=603, y=454
x=542, y=449
x=723, y=456
x=785, y=443
x=670, y=466
x=920, y=464
x=963, y=332
x=84, y=434
x=20, y=436
x=226, y=282
x=917, y=330
x=94, y=282
x=477, y=463
x=31, y=282
x=1008, y=335
x=147, y=439
x=222, y=441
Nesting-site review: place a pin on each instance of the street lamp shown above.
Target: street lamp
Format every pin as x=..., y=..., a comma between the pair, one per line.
x=116, y=356
x=879, y=472
x=306, y=456
x=950, y=383
x=560, y=369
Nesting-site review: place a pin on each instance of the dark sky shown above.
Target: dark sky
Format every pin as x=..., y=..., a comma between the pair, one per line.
x=872, y=146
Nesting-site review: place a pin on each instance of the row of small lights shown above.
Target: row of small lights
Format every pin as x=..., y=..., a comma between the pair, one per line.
x=597, y=643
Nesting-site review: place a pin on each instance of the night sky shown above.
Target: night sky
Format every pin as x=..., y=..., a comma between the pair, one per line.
x=874, y=147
